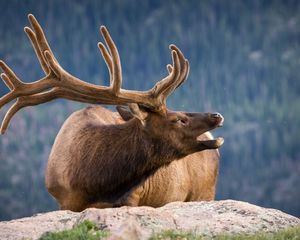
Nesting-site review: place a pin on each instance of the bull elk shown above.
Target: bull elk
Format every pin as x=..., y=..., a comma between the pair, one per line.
x=143, y=155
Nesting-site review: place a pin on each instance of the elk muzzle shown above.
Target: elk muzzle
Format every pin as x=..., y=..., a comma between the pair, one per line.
x=218, y=118
x=207, y=122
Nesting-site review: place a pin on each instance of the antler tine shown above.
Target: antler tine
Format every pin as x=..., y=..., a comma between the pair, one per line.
x=186, y=74
x=177, y=75
x=169, y=68
x=7, y=81
x=183, y=66
x=106, y=57
x=13, y=83
x=180, y=69
x=32, y=37
x=40, y=36
x=42, y=48
x=14, y=80
x=168, y=81
x=183, y=62
x=8, y=116
x=115, y=63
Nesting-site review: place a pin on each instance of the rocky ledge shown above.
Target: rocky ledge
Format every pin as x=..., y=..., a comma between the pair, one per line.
x=208, y=218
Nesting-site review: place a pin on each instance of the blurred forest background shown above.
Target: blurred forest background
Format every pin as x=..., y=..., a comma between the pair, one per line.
x=245, y=63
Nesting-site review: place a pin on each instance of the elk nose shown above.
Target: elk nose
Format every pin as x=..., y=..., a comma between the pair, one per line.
x=216, y=115
x=218, y=118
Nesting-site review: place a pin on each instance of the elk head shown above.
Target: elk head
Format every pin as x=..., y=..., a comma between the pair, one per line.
x=180, y=129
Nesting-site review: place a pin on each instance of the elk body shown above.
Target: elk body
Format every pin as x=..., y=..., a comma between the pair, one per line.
x=98, y=160
x=143, y=155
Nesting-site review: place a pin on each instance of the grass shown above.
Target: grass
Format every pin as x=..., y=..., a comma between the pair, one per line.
x=89, y=231
x=170, y=234
x=290, y=233
x=84, y=231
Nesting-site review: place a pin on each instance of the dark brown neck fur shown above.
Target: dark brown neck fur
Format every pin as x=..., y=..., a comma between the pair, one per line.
x=117, y=158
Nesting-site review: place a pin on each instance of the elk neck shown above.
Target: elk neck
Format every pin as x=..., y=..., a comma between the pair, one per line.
x=124, y=156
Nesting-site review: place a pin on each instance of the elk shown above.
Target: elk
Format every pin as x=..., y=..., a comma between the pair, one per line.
x=144, y=154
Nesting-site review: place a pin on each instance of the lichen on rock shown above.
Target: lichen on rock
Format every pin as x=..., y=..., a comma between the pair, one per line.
x=204, y=218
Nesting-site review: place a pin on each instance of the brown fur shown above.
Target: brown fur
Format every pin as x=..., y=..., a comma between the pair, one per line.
x=98, y=160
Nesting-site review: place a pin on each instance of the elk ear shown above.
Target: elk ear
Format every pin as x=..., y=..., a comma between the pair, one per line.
x=137, y=112
x=124, y=112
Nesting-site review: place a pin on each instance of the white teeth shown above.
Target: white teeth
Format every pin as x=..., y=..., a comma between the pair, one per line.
x=221, y=123
x=219, y=141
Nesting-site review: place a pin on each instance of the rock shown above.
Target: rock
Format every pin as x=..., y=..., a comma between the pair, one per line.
x=34, y=227
x=208, y=218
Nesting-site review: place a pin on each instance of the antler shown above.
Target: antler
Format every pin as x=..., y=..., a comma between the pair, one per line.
x=58, y=83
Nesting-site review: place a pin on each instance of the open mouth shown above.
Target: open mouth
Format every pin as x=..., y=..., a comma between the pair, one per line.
x=213, y=143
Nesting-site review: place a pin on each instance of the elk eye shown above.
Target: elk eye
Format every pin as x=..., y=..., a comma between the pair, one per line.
x=181, y=121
